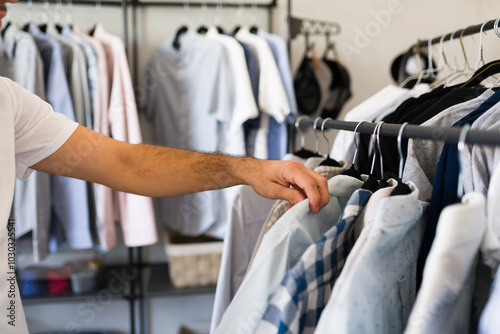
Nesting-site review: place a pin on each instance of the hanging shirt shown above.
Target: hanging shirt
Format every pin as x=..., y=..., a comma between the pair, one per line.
x=423, y=155
x=280, y=250
x=30, y=131
x=448, y=280
x=136, y=213
x=490, y=247
x=281, y=206
x=490, y=322
x=91, y=69
x=387, y=98
x=479, y=161
x=243, y=102
x=278, y=133
x=105, y=205
x=386, y=253
x=297, y=304
x=188, y=97
x=79, y=80
x=446, y=180
x=69, y=196
x=272, y=98
x=244, y=232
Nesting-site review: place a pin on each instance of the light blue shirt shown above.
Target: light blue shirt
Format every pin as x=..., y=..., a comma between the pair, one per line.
x=187, y=95
x=278, y=133
x=281, y=248
x=69, y=196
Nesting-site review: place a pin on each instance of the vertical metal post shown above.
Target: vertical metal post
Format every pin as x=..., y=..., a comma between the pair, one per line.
x=132, y=296
x=142, y=313
x=135, y=55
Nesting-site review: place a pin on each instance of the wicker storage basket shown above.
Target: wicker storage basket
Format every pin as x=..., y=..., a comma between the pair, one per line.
x=193, y=262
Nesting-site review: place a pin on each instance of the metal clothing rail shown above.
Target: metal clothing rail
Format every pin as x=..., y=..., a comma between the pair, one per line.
x=448, y=135
x=490, y=25
x=271, y=4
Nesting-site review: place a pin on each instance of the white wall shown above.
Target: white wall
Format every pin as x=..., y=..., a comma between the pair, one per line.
x=368, y=66
x=369, y=60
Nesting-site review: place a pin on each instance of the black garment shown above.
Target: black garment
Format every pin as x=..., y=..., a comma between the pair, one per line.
x=307, y=89
x=415, y=111
x=340, y=89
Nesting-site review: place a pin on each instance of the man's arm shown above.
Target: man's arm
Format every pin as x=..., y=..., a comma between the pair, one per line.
x=161, y=171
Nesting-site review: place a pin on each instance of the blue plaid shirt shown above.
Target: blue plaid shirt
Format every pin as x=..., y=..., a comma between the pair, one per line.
x=297, y=304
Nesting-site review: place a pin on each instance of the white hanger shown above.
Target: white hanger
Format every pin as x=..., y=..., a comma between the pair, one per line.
x=69, y=12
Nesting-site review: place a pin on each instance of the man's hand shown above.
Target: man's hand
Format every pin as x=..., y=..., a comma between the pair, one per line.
x=288, y=180
x=162, y=171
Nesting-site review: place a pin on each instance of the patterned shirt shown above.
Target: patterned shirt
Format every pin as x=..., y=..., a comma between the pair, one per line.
x=297, y=304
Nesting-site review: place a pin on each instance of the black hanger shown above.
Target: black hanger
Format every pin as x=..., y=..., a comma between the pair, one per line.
x=352, y=171
x=254, y=29
x=202, y=30
x=373, y=184
x=328, y=161
x=484, y=72
x=402, y=188
x=4, y=29
x=43, y=27
x=92, y=30
x=236, y=29
x=220, y=30
x=176, y=43
x=303, y=153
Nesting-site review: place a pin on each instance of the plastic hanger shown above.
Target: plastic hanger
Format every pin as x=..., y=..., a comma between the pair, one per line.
x=182, y=29
x=402, y=188
x=203, y=28
x=6, y=19
x=328, y=161
x=352, y=171
x=461, y=146
x=302, y=153
x=253, y=26
x=29, y=15
x=57, y=16
x=45, y=17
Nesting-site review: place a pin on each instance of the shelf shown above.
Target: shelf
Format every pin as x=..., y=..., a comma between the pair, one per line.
x=157, y=280
x=115, y=274
x=155, y=276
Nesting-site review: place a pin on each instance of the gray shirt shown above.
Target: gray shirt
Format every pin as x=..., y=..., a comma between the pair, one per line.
x=187, y=96
x=423, y=155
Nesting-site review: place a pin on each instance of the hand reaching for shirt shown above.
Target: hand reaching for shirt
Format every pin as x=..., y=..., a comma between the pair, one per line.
x=162, y=171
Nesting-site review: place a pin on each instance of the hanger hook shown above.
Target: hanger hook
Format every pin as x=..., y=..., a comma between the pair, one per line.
x=467, y=65
x=297, y=127
x=455, y=68
x=69, y=9
x=324, y=136
x=356, y=142
x=376, y=145
x=315, y=127
x=495, y=27
x=400, y=151
x=461, y=146
x=45, y=14
x=480, y=58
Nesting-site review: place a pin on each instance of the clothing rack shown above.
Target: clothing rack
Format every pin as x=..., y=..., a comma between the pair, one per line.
x=135, y=262
x=490, y=25
x=448, y=135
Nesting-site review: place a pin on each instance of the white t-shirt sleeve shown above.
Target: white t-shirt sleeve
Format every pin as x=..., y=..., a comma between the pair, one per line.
x=39, y=131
